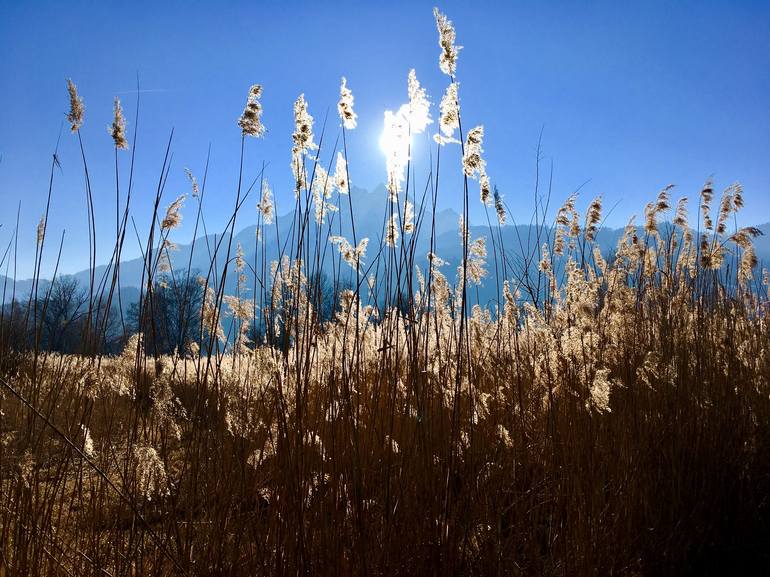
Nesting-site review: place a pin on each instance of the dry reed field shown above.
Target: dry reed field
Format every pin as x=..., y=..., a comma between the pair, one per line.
x=352, y=406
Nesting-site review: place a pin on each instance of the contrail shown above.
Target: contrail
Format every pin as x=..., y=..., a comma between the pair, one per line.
x=143, y=90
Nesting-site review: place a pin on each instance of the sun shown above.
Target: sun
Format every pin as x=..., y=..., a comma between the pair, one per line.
x=395, y=139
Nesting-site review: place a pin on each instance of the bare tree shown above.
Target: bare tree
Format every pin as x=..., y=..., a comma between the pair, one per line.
x=64, y=315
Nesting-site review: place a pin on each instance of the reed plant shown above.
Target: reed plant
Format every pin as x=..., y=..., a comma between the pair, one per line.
x=605, y=415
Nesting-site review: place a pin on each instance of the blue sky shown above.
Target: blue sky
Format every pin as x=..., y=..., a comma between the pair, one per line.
x=629, y=98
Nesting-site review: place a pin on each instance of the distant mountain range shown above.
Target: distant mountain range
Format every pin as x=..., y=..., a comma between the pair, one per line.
x=368, y=211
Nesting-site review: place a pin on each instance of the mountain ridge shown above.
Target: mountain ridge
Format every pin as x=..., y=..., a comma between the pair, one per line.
x=368, y=208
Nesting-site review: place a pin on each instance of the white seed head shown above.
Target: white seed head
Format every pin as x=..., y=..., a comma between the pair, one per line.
x=449, y=117
x=251, y=119
x=446, y=40
x=345, y=106
x=473, y=164
x=77, y=108
x=341, y=174
x=173, y=216
x=265, y=204
x=118, y=126
x=391, y=231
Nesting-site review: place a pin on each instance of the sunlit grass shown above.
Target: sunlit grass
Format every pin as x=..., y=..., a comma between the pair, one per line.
x=606, y=415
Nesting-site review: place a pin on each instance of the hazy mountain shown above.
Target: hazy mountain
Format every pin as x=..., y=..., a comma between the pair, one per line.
x=368, y=211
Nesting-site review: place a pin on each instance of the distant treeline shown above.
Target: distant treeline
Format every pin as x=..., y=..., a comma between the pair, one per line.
x=59, y=319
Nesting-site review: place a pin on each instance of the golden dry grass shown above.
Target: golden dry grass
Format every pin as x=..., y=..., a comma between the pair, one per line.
x=606, y=417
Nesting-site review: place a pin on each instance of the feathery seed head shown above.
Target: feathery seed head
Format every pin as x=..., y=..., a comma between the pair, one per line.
x=707, y=194
x=485, y=189
x=545, y=259
x=77, y=108
x=408, y=218
x=680, y=217
x=449, y=117
x=737, y=196
x=725, y=208
x=303, y=127
x=743, y=236
x=151, y=479
x=446, y=40
x=650, y=221
x=564, y=212
x=473, y=164
x=303, y=143
x=341, y=174
x=41, y=230
x=240, y=262
x=499, y=207
x=265, y=204
x=193, y=182
x=118, y=127
x=251, y=119
x=477, y=254
x=419, y=105
x=593, y=217
x=350, y=254
x=462, y=229
x=600, y=391
x=323, y=187
x=435, y=260
x=173, y=216
x=391, y=231
x=345, y=106
x=478, y=248
x=747, y=265
x=504, y=437
x=88, y=442
x=664, y=198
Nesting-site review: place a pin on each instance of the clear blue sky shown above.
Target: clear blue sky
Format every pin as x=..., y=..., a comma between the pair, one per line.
x=631, y=98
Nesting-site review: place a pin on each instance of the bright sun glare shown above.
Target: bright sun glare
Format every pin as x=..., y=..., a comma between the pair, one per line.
x=394, y=142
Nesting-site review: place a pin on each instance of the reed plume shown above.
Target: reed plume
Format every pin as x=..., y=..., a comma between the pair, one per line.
x=77, y=108
x=118, y=126
x=345, y=106
x=251, y=119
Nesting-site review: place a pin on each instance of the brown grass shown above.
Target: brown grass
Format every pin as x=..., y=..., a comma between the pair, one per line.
x=604, y=418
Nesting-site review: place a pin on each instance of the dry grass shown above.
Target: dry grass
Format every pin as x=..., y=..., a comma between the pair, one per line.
x=605, y=418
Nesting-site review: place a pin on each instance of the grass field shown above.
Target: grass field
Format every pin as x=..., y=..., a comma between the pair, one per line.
x=609, y=414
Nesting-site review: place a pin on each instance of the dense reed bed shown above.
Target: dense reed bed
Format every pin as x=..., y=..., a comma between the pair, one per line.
x=607, y=415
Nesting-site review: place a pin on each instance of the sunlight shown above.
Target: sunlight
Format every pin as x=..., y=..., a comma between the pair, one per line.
x=395, y=140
